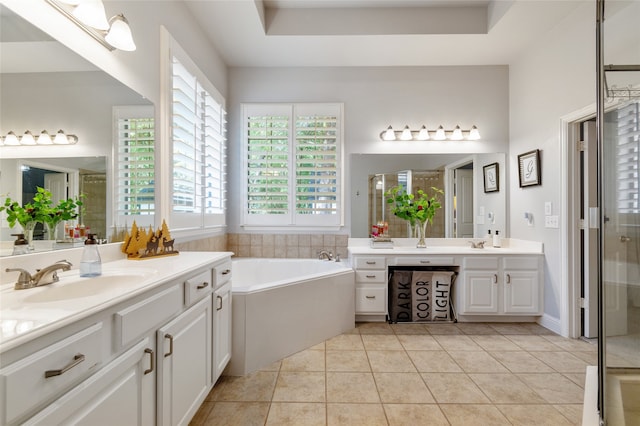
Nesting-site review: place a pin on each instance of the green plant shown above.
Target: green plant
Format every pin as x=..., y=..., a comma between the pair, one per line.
x=420, y=207
x=41, y=209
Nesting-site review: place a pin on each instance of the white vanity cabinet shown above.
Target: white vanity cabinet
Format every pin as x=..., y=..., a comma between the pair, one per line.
x=500, y=285
x=148, y=358
x=371, y=287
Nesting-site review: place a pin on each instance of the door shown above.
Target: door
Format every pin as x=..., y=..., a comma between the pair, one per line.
x=184, y=364
x=521, y=292
x=463, y=203
x=222, y=329
x=480, y=292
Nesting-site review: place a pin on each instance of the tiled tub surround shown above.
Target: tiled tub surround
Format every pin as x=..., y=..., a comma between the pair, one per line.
x=291, y=246
x=414, y=374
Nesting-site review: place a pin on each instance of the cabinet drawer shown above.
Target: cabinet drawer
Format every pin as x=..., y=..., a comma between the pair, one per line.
x=132, y=322
x=370, y=276
x=520, y=263
x=369, y=262
x=425, y=261
x=195, y=288
x=480, y=263
x=221, y=274
x=25, y=385
x=371, y=300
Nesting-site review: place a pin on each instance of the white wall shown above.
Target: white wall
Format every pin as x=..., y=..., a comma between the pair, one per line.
x=374, y=98
x=554, y=78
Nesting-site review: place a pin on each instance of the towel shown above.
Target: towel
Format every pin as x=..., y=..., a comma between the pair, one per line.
x=442, y=295
x=421, y=295
x=400, y=296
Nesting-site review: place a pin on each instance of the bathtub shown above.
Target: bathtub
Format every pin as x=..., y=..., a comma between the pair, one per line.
x=282, y=306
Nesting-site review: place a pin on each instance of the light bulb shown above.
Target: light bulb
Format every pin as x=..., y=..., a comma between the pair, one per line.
x=457, y=134
x=27, y=139
x=474, y=134
x=440, y=134
x=423, y=135
x=91, y=13
x=389, y=134
x=11, y=139
x=44, y=138
x=406, y=134
x=119, y=35
x=61, y=138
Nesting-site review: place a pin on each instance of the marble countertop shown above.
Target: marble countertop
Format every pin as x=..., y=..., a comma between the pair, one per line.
x=28, y=314
x=444, y=246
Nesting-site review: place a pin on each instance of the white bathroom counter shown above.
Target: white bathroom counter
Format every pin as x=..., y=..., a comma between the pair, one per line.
x=31, y=313
x=444, y=246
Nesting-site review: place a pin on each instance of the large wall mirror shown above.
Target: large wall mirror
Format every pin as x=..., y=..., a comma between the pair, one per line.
x=468, y=210
x=46, y=86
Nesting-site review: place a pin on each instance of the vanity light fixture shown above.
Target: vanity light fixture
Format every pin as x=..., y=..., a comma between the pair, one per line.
x=440, y=134
x=90, y=16
x=43, y=139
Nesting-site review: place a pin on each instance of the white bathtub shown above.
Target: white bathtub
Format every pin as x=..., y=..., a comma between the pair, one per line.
x=282, y=306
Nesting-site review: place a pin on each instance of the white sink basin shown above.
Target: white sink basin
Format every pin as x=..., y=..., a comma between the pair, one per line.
x=72, y=286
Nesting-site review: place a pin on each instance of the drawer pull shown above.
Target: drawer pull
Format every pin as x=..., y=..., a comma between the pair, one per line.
x=425, y=261
x=371, y=262
x=153, y=361
x=219, y=299
x=508, y=278
x=203, y=285
x=226, y=272
x=370, y=276
x=495, y=278
x=76, y=360
x=170, y=337
x=370, y=297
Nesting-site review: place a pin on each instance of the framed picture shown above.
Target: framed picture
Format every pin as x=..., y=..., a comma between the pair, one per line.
x=491, y=178
x=529, y=168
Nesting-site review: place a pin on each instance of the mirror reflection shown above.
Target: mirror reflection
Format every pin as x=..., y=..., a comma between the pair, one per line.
x=62, y=92
x=468, y=211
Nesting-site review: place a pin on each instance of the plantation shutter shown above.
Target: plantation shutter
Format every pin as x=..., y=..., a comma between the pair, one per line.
x=628, y=158
x=292, y=165
x=135, y=163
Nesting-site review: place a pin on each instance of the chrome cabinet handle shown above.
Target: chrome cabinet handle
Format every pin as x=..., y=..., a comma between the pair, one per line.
x=170, y=337
x=226, y=272
x=495, y=278
x=624, y=239
x=508, y=278
x=219, y=298
x=370, y=297
x=371, y=262
x=76, y=360
x=153, y=361
x=370, y=276
x=203, y=285
x=425, y=261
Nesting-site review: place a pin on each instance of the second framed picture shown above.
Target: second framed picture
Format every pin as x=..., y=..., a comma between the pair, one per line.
x=491, y=177
x=529, y=168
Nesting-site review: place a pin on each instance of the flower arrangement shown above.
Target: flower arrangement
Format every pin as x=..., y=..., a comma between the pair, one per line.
x=420, y=207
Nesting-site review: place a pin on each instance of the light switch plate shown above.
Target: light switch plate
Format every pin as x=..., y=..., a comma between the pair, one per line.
x=547, y=208
x=551, y=222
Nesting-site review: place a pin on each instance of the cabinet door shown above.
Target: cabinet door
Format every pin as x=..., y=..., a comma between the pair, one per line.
x=480, y=293
x=222, y=329
x=184, y=364
x=122, y=393
x=521, y=292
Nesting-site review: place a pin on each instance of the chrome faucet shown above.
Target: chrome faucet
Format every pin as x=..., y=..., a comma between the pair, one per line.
x=478, y=245
x=44, y=276
x=323, y=254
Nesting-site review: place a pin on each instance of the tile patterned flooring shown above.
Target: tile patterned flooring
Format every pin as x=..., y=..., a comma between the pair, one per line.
x=414, y=374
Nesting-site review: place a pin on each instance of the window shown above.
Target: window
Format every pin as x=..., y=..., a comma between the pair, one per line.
x=292, y=165
x=198, y=147
x=135, y=164
x=627, y=158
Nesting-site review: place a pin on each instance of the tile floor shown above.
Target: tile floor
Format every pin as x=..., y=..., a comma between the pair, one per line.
x=414, y=374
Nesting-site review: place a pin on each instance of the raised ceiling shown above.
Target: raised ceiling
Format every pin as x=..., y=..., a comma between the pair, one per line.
x=268, y=33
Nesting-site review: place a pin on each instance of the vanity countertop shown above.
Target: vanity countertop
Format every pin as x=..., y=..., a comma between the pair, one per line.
x=28, y=314
x=444, y=246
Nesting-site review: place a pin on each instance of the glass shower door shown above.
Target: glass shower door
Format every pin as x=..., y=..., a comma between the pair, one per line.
x=621, y=264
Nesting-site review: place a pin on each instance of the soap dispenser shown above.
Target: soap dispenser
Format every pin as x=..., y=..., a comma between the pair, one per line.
x=90, y=263
x=20, y=245
x=496, y=240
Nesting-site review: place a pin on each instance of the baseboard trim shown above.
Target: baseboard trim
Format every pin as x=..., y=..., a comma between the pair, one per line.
x=552, y=323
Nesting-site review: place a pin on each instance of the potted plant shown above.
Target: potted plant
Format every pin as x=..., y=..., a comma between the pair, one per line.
x=64, y=210
x=418, y=209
